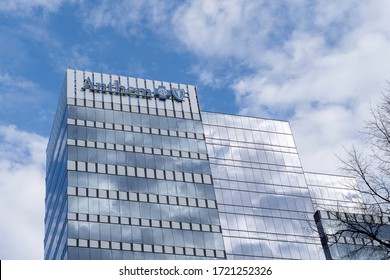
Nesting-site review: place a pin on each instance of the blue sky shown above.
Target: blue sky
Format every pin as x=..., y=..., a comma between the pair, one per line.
x=318, y=64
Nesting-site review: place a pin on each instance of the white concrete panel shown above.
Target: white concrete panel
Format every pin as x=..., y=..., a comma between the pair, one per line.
x=160, y=104
x=185, y=103
x=193, y=99
x=124, y=82
x=79, y=84
x=151, y=101
x=133, y=84
x=98, y=79
x=88, y=93
x=141, y=85
x=115, y=97
x=177, y=105
x=106, y=80
x=70, y=75
x=168, y=102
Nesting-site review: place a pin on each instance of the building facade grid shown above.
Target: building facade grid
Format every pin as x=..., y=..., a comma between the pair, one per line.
x=135, y=170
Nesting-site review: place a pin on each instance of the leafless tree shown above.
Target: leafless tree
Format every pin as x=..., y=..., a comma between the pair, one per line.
x=369, y=227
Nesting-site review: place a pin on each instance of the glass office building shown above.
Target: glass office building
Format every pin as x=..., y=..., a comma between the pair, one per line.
x=264, y=203
x=353, y=244
x=135, y=170
x=339, y=209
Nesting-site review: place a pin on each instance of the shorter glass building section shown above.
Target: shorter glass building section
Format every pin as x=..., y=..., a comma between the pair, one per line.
x=333, y=193
x=341, y=220
x=263, y=200
x=342, y=238
x=135, y=170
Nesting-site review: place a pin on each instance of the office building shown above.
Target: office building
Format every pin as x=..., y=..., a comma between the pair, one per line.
x=135, y=170
x=263, y=201
x=341, y=219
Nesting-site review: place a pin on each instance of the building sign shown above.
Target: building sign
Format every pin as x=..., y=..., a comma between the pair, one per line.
x=161, y=92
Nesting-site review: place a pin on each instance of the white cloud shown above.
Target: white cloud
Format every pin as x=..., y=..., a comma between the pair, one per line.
x=215, y=28
x=207, y=77
x=318, y=64
x=8, y=80
x=127, y=17
x=22, y=187
x=26, y=7
x=17, y=90
x=21, y=97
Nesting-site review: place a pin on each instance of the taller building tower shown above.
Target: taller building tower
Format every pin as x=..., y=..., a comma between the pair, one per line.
x=128, y=175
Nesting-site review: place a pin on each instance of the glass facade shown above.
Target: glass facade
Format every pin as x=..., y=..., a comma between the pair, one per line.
x=136, y=171
x=340, y=242
x=56, y=226
x=340, y=219
x=132, y=175
x=333, y=193
x=263, y=200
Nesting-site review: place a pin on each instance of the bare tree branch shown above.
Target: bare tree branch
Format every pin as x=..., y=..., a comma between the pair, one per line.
x=370, y=228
